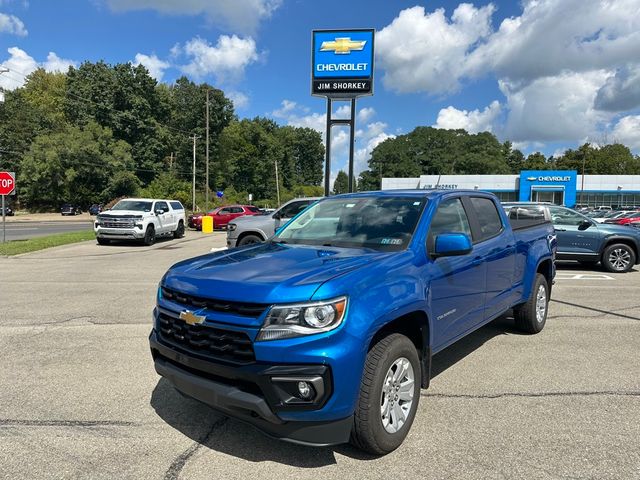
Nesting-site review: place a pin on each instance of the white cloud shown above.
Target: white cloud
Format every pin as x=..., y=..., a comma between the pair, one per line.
x=566, y=67
x=473, y=121
x=366, y=140
x=56, y=64
x=152, y=63
x=12, y=24
x=239, y=99
x=627, y=131
x=558, y=108
x=227, y=60
x=237, y=15
x=621, y=91
x=21, y=64
x=365, y=114
x=425, y=52
x=555, y=36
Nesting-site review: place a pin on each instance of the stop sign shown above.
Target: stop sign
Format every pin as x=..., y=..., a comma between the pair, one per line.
x=7, y=183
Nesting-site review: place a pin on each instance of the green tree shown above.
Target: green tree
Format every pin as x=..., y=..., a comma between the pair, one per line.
x=75, y=165
x=166, y=185
x=536, y=161
x=341, y=184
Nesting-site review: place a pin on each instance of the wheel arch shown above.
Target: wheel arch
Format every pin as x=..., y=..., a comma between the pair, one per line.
x=257, y=233
x=624, y=240
x=415, y=326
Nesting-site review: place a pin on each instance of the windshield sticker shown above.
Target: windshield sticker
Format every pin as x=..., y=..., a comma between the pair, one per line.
x=415, y=204
x=350, y=205
x=391, y=241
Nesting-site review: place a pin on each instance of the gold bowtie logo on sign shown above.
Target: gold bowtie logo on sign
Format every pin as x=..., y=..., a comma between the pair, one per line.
x=342, y=46
x=191, y=318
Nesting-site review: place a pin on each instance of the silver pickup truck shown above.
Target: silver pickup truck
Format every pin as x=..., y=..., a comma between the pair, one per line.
x=257, y=228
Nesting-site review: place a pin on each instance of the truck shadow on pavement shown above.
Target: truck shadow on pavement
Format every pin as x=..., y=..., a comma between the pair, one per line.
x=212, y=430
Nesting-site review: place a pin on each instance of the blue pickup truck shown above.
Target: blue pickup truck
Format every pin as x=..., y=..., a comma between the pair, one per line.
x=325, y=333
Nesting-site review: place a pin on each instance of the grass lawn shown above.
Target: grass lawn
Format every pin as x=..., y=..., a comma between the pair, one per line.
x=16, y=247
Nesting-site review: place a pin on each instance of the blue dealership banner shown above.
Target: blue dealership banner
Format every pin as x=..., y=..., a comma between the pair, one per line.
x=342, y=63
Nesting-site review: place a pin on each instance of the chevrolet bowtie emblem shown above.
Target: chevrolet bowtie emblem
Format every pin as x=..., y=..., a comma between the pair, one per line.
x=342, y=46
x=191, y=318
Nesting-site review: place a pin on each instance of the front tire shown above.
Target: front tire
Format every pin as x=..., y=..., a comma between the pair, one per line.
x=618, y=258
x=103, y=241
x=531, y=316
x=389, y=395
x=179, y=231
x=249, y=240
x=149, y=236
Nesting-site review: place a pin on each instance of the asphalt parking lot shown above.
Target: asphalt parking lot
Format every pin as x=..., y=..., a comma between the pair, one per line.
x=79, y=397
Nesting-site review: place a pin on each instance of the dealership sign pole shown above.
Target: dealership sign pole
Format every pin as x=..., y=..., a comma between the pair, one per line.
x=7, y=187
x=341, y=69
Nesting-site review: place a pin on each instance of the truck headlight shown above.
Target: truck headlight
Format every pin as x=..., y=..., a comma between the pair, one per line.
x=297, y=320
x=231, y=227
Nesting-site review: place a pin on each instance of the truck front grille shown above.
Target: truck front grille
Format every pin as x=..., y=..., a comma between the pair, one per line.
x=213, y=342
x=237, y=308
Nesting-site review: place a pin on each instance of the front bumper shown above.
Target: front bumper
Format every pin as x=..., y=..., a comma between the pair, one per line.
x=249, y=393
x=119, y=233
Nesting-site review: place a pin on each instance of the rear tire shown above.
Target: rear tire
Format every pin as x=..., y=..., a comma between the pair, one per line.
x=149, y=236
x=179, y=231
x=531, y=316
x=249, y=240
x=389, y=395
x=618, y=258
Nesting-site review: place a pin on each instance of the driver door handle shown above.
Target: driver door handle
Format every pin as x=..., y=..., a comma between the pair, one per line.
x=560, y=229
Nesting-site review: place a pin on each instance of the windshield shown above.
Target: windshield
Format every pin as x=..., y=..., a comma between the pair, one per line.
x=136, y=205
x=381, y=223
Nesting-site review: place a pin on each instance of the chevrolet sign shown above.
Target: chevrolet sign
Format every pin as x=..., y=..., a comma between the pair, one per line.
x=543, y=178
x=342, y=63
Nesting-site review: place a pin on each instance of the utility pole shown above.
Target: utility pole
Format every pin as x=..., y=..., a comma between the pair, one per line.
x=277, y=185
x=194, y=170
x=2, y=70
x=206, y=187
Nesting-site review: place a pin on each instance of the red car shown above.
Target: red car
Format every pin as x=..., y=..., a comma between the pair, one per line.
x=633, y=219
x=223, y=215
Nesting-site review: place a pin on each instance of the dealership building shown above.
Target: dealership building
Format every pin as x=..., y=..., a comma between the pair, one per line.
x=562, y=187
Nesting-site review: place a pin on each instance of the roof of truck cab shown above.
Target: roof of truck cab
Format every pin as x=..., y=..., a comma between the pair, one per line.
x=415, y=192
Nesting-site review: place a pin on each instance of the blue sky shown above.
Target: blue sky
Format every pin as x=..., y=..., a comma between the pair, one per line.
x=547, y=74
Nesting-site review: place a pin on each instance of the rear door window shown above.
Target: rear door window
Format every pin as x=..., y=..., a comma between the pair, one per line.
x=176, y=205
x=488, y=217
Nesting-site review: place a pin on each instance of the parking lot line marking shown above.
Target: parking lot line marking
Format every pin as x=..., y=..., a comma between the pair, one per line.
x=583, y=276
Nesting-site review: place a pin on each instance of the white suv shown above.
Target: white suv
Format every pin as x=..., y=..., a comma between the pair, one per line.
x=141, y=219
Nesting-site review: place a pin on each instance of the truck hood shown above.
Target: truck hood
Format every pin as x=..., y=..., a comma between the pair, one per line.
x=123, y=213
x=267, y=273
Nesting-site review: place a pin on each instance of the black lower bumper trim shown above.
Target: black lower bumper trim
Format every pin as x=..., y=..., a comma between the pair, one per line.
x=253, y=409
x=247, y=393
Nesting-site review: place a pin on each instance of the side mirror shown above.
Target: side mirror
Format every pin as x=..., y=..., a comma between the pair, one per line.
x=276, y=216
x=452, y=244
x=584, y=225
x=159, y=211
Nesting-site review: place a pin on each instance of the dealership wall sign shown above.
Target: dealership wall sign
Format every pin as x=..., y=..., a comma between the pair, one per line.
x=342, y=63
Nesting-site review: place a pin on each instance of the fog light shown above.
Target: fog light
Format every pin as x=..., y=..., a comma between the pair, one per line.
x=139, y=225
x=305, y=390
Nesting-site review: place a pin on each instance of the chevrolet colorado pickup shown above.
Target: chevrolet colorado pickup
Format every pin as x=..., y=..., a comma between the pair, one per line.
x=325, y=333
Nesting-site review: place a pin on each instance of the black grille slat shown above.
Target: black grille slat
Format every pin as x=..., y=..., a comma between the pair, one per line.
x=242, y=309
x=218, y=343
